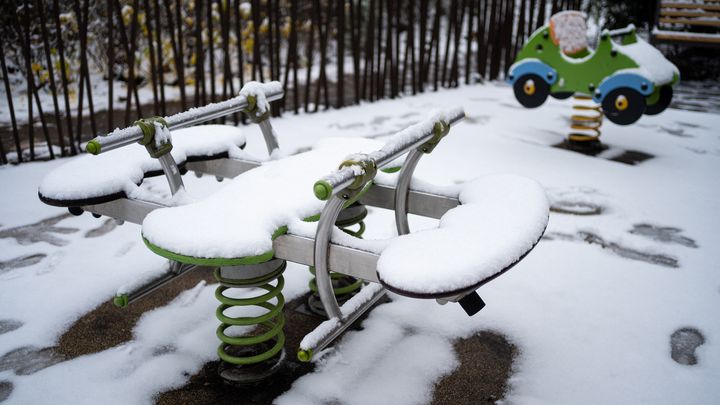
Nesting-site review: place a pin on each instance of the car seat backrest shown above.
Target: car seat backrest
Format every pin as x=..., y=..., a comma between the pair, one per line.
x=568, y=31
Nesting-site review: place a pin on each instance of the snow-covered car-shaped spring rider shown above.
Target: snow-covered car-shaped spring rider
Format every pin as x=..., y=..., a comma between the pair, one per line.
x=628, y=78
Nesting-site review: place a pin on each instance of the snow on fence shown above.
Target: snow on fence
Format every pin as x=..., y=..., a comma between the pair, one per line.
x=73, y=70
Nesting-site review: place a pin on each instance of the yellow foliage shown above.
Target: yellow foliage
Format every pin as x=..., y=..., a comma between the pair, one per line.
x=36, y=67
x=248, y=45
x=285, y=29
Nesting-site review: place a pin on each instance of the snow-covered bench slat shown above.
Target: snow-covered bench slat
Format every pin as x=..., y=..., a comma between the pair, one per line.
x=677, y=22
x=88, y=179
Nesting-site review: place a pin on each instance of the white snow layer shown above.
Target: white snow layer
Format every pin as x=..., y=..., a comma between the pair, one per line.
x=501, y=217
x=569, y=31
x=259, y=91
x=239, y=220
x=121, y=170
x=591, y=326
x=652, y=64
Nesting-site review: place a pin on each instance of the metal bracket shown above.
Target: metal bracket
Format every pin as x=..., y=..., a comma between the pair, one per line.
x=263, y=121
x=161, y=153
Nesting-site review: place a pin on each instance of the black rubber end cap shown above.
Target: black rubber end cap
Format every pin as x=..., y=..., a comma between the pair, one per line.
x=77, y=211
x=472, y=303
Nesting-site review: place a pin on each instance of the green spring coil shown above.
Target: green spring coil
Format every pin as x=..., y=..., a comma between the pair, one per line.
x=271, y=321
x=345, y=286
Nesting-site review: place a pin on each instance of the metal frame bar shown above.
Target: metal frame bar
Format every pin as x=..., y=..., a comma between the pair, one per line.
x=133, y=134
x=299, y=249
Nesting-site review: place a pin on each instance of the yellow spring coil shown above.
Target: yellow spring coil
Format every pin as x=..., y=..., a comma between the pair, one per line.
x=585, y=126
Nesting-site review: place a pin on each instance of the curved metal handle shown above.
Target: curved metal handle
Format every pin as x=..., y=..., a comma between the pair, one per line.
x=328, y=216
x=408, y=139
x=401, y=191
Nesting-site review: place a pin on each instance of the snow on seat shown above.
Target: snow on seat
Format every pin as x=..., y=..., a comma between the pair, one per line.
x=500, y=219
x=568, y=31
x=118, y=173
x=237, y=224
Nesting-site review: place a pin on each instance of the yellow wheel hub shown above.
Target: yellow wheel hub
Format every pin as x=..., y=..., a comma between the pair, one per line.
x=621, y=103
x=529, y=87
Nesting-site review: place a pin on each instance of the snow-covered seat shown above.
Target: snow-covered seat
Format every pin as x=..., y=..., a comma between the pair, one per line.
x=568, y=31
x=118, y=173
x=500, y=219
x=236, y=225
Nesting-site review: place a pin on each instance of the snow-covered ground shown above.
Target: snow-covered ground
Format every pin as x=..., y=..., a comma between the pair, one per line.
x=591, y=309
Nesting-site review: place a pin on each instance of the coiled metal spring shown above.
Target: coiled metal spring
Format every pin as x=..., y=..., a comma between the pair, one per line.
x=585, y=125
x=268, y=339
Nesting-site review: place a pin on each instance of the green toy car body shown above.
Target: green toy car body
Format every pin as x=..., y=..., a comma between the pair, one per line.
x=628, y=78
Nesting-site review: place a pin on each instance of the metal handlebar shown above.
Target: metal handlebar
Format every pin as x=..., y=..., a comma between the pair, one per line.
x=402, y=142
x=194, y=116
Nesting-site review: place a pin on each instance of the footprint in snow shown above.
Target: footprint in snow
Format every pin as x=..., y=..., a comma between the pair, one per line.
x=683, y=343
x=124, y=249
x=622, y=251
x=477, y=119
x=107, y=226
x=688, y=124
x=575, y=201
x=9, y=325
x=664, y=234
x=679, y=132
x=21, y=261
x=29, y=360
x=6, y=388
x=42, y=231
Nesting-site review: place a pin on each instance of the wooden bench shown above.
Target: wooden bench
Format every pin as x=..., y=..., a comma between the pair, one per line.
x=691, y=23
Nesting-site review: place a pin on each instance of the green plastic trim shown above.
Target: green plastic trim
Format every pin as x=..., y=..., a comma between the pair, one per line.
x=252, y=111
x=216, y=261
x=440, y=130
x=305, y=355
x=322, y=190
x=93, y=147
x=121, y=301
x=391, y=169
x=629, y=38
x=147, y=126
x=654, y=96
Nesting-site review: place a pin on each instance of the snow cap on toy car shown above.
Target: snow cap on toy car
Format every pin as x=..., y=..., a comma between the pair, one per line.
x=567, y=30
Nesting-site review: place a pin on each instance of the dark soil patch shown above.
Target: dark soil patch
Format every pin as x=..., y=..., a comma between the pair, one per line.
x=108, y=326
x=485, y=366
x=207, y=387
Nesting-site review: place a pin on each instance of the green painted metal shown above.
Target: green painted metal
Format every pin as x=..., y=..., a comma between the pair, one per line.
x=147, y=126
x=215, y=261
x=93, y=147
x=121, y=301
x=273, y=320
x=322, y=190
x=305, y=355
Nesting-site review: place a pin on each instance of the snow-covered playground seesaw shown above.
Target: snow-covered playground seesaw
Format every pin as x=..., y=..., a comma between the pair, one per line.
x=298, y=208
